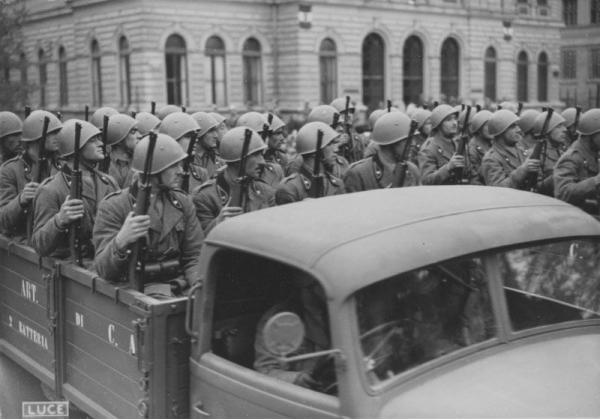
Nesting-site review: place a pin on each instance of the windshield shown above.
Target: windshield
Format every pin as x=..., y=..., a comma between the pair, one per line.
x=418, y=316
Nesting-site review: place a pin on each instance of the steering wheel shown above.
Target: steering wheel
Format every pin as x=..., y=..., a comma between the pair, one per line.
x=388, y=330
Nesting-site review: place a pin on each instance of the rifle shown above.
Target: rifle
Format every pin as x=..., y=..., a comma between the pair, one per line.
x=153, y=107
x=239, y=200
x=402, y=165
x=187, y=162
x=539, y=153
x=519, y=108
x=266, y=127
x=75, y=193
x=389, y=106
x=59, y=115
x=336, y=120
x=104, y=164
x=317, y=184
x=477, y=108
x=133, y=114
x=459, y=172
x=577, y=115
x=136, y=262
x=434, y=105
x=27, y=111
x=87, y=113
x=348, y=130
x=183, y=109
x=38, y=174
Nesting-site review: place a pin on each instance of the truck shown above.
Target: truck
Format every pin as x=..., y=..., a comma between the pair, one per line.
x=446, y=301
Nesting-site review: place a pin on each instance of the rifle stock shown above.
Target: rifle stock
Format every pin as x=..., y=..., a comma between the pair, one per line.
x=27, y=111
x=187, y=162
x=139, y=248
x=459, y=172
x=153, y=107
x=389, y=106
x=75, y=193
x=317, y=181
x=104, y=164
x=86, y=113
x=239, y=199
x=402, y=165
x=539, y=153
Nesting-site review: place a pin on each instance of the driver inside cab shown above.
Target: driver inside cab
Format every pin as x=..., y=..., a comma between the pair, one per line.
x=306, y=299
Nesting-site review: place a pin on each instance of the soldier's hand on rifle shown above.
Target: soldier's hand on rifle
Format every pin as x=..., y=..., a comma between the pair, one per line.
x=343, y=139
x=28, y=193
x=456, y=161
x=134, y=227
x=70, y=210
x=532, y=165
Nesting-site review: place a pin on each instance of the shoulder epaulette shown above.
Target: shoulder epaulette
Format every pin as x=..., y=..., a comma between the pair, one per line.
x=113, y=194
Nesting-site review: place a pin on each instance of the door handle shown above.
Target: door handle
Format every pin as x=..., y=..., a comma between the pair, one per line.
x=198, y=408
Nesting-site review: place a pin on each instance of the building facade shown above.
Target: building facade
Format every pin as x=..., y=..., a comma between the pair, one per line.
x=289, y=54
x=580, y=53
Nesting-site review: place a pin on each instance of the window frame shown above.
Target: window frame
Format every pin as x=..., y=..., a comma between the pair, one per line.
x=217, y=57
x=42, y=75
x=176, y=71
x=124, y=70
x=543, y=66
x=328, y=70
x=449, y=82
x=96, y=70
x=252, y=72
x=63, y=76
x=413, y=46
x=490, y=74
x=522, y=76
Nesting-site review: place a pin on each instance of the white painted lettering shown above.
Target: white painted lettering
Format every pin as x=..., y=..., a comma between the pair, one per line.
x=29, y=291
x=79, y=319
x=111, y=335
x=10, y=320
x=132, y=349
x=33, y=335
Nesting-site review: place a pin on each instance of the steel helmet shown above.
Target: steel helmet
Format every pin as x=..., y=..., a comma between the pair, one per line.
x=166, y=153
x=509, y=106
x=230, y=147
x=306, y=140
x=66, y=136
x=569, y=114
x=527, y=119
x=440, y=113
x=500, y=121
x=421, y=116
x=589, y=122
x=146, y=122
x=167, y=110
x=555, y=120
x=391, y=128
x=252, y=120
x=411, y=109
x=118, y=128
x=276, y=123
x=178, y=124
x=478, y=120
x=97, y=118
x=375, y=115
x=34, y=125
x=339, y=104
x=205, y=121
x=323, y=113
x=217, y=117
x=10, y=124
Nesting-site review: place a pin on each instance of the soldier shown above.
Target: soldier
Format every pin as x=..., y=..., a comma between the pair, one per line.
x=172, y=231
x=97, y=118
x=355, y=150
x=276, y=152
x=167, y=110
x=437, y=157
x=382, y=169
x=371, y=148
x=55, y=210
x=423, y=118
x=576, y=177
x=526, y=123
x=298, y=186
x=504, y=165
x=122, y=136
x=11, y=129
x=509, y=106
x=212, y=199
x=206, y=155
x=146, y=123
x=272, y=173
x=182, y=128
x=555, y=138
x=222, y=124
x=480, y=142
x=19, y=175
x=570, y=115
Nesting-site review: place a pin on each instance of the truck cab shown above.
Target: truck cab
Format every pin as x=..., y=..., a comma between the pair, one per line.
x=470, y=302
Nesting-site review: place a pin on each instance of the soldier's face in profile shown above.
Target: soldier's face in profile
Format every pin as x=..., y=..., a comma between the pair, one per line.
x=426, y=128
x=559, y=134
x=92, y=150
x=512, y=135
x=449, y=126
x=210, y=139
x=254, y=164
x=171, y=176
x=276, y=140
x=51, y=141
x=132, y=139
x=329, y=154
x=12, y=143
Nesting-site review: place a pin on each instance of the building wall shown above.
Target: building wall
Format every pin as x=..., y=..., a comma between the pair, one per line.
x=290, y=59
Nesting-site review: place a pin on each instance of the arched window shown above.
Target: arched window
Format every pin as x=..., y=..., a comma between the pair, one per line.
x=124, y=71
x=328, y=70
x=43, y=76
x=522, y=77
x=23, y=68
x=217, y=85
x=450, y=70
x=62, y=75
x=176, y=66
x=542, y=70
x=96, y=73
x=412, y=66
x=252, y=72
x=490, y=75
x=373, y=69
